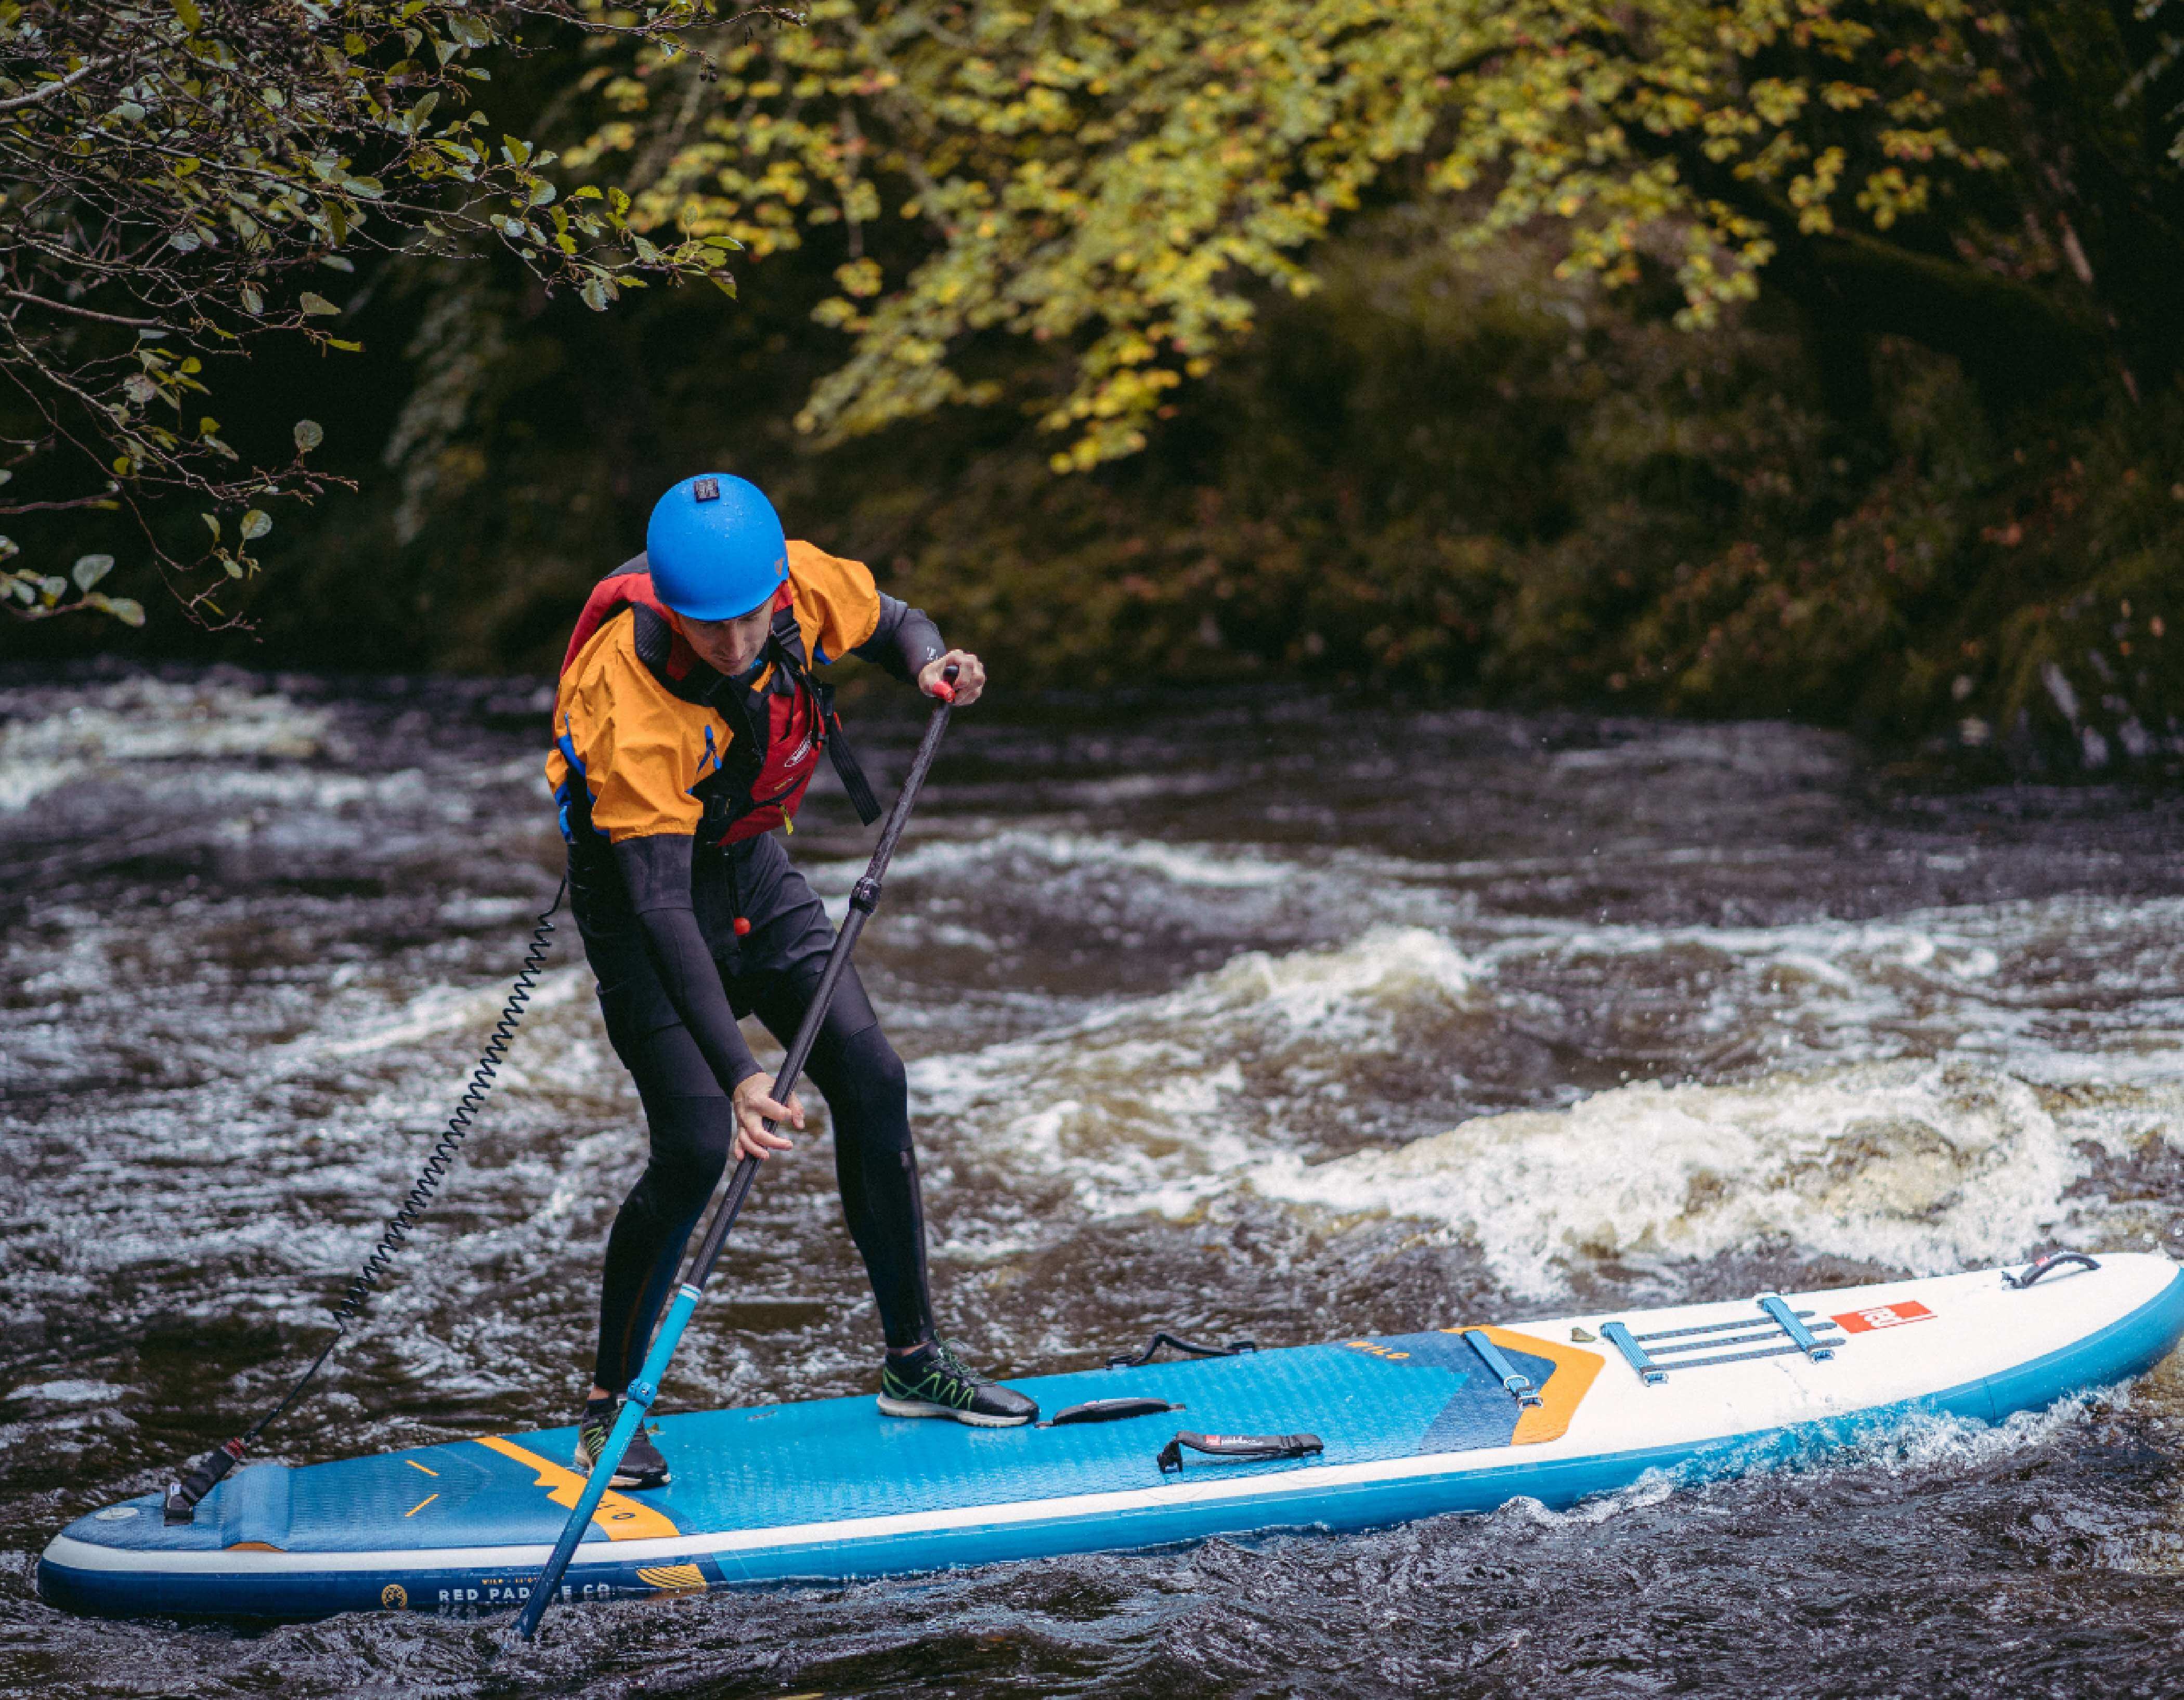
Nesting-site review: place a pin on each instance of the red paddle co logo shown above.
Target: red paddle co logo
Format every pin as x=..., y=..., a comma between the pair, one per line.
x=1883, y=1316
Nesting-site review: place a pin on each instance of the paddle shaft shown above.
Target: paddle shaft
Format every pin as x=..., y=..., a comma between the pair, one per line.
x=637, y=1400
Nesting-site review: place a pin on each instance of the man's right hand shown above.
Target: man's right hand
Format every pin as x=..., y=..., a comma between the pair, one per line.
x=755, y=1106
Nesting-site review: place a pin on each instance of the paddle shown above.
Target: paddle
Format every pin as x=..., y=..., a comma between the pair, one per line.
x=864, y=898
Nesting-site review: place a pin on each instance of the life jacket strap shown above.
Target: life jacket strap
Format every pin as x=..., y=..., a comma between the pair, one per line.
x=858, y=788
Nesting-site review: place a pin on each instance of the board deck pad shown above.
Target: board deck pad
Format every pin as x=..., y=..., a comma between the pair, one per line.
x=1412, y=1424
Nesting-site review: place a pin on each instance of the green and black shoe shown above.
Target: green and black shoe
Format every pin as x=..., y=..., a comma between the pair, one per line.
x=641, y=1467
x=932, y=1382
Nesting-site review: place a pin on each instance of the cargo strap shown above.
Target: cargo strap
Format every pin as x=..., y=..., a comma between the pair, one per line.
x=1776, y=1331
x=1236, y=1448
x=1514, y=1382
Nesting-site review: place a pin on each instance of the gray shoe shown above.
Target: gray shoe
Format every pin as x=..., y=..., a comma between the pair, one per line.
x=933, y=1381
x=641, y=1467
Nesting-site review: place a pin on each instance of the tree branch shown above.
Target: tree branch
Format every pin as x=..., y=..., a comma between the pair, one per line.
x=47, y=89
x=85, y=312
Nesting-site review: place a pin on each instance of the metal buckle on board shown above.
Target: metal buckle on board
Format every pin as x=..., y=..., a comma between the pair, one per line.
x=1514, y=1382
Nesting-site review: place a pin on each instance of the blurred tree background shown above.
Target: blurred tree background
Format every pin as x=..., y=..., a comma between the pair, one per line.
x=1819, y=358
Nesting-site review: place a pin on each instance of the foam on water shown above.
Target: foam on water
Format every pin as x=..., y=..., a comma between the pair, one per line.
x=1946, y=1142
x=443, y=1009
x=1150, y=1102
x=1925, y=1167
x=1179, y=864
x=51, y=738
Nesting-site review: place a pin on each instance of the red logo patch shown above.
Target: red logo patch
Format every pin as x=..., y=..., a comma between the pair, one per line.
x=1883, y=1316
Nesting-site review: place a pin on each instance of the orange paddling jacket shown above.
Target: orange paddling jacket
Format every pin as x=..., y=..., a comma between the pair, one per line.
x=649, y=739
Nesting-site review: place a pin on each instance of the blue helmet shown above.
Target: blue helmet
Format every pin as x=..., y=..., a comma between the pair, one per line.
x=716, y=547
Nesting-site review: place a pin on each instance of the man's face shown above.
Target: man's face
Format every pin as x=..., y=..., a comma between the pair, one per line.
x=729, y=646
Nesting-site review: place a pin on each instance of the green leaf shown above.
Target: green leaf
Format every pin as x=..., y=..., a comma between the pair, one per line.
x=192, y=20
x=127, y=609
x=256, y=523
x=212, y=523
x=89, y=569
x=309, y=435
x=346, y=347
x=51, y=588
x=318, y=306
x=253, y=303
x=595, y=294
x=728, y=284
x=231, y=566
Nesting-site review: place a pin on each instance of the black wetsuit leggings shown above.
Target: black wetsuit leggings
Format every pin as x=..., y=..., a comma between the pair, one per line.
x=771, y=974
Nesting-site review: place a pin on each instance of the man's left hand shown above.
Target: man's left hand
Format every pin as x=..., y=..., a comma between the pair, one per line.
x=970, y=681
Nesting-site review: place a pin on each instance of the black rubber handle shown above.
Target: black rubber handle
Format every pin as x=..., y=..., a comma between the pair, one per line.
x=1109, y=1411
x=1237, y=1448
x=2046, y=1264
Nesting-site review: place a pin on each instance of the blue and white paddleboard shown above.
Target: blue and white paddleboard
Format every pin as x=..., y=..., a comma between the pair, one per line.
x=1409, y=1425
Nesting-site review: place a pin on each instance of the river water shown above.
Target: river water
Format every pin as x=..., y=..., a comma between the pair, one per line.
x=1246, y=1014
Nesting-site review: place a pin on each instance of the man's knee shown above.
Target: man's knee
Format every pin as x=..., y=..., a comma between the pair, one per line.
x=876, y=1063
x=691, y=1138
x=868, y=1084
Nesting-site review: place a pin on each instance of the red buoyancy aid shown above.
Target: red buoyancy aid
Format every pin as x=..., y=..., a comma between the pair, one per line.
x=798, y=712
x=795, y=730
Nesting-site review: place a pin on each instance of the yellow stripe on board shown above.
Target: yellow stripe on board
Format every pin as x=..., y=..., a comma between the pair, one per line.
x=624, y=1519
x=413, y=1464
x=420, y=1505
x=674, y=1578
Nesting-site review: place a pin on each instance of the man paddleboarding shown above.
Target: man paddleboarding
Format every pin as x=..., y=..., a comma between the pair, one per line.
x=687, y=725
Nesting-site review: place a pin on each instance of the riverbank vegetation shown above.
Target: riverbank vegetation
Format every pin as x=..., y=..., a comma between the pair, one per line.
x=1720, y=358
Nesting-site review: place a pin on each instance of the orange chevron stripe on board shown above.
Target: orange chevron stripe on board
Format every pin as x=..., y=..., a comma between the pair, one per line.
x=1565, y=1389
x=624, y=1519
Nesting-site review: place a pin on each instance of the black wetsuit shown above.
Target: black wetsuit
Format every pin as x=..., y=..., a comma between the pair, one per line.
x=657, y=914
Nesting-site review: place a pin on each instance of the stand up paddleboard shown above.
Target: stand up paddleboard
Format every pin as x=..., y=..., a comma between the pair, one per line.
x=1355, y=1434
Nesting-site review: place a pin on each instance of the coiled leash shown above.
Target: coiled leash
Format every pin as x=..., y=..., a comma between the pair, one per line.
x=183, y=1496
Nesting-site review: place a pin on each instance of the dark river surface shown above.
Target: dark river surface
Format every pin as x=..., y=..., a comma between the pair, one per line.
x=1246, y=1014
